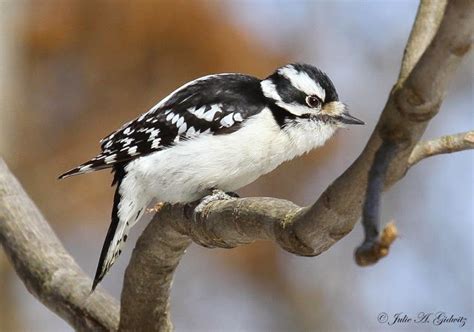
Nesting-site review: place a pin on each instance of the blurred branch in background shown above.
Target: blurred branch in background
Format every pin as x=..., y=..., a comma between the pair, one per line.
x=43, y=264
x=51, y=274
x=10, y=319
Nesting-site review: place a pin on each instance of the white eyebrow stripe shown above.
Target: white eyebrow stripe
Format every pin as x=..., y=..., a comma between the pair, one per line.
x=302, y=81
x=269, y=90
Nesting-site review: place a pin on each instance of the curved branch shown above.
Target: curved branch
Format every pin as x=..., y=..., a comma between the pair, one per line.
x=55, y=279
x=428, y=18
x=154, y=260
x=426, y=30
x=309, y=231
x=44, y=266
x=442, y=145
x=373, y=248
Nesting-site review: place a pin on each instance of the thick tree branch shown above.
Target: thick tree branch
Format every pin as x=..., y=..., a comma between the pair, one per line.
x=442, y=145
x=56, y=280
x=429, y=16
x=428, y=19
x=150, y=272
x=414, y=100
x=44, y=266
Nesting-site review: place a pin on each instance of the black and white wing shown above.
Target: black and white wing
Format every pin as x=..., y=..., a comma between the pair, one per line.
x=215, y=104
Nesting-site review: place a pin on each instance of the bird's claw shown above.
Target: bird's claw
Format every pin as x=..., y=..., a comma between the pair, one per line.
x=156, y=208
x=216, y=195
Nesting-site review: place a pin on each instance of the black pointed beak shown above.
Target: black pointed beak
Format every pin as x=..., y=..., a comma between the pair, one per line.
x=346, y=118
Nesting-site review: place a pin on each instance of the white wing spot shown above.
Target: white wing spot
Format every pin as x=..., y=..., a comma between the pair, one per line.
x=170, y=116
x=153, y=134
x=199, y=113
x=191, y=132
x=132, y=151
x=238, y=117
x=156, y=143
x=126, y=141
x=227, y=121
x=175, y=118
x=182, y=128
x=180, y=122
x=110, y=159
x=209, y=115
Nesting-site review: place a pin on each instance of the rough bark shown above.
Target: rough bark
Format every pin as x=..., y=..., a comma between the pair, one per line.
x=430, y=60
x=441, y=36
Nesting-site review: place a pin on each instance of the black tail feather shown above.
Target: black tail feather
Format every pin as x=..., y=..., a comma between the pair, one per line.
x=119, y=173
x=95, y=164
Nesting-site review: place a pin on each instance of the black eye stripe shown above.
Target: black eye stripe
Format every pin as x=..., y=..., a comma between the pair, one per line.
x=323, y=80
x=287, y=92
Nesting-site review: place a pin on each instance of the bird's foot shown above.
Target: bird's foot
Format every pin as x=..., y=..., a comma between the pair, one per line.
x=216, y=195
x=155, y=209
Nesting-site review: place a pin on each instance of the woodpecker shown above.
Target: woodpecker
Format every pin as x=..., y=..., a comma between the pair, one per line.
x=220, y=132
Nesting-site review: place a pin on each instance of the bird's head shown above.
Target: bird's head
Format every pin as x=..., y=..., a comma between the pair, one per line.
x=307, y=93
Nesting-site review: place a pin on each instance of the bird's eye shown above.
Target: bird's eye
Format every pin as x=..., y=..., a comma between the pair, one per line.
x=313, y=101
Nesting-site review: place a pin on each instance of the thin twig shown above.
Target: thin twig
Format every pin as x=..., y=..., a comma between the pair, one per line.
x=442, y=145
x=370, y=251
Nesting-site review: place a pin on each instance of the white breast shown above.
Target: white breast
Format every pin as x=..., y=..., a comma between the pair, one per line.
x=186, y=171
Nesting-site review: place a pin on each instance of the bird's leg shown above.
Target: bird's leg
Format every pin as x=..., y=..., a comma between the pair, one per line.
x=216, y=195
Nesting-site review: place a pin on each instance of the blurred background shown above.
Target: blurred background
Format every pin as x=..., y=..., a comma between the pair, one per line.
x=73, y=71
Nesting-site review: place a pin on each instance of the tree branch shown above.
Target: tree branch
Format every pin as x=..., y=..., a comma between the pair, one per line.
x=55, y=279
x=428, y=19
x=442, y=145
x=154, y=260
x=372, y=249
x=44, y=266
x=309, y=231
